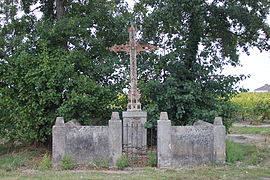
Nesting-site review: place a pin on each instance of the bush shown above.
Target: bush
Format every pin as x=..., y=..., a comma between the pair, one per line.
x=234, y=152
x=255, y=158
x=122, y=162
x=67, y=162
x=152, y=159
x=96, y=163
x=46, y=162
x=102, y=163
x=105, y=163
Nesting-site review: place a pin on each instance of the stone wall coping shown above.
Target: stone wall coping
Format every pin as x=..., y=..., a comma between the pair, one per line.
x=131, y=114
x=164, y=116
x=202, y=123
x=218, y=121
x=115, y=116
x=59, y=121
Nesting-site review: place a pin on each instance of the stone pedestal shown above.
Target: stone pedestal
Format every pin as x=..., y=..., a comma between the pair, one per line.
x=59, y=140
x=115, y=138
x=134, y=133
x=164, y=141
x=219, y=140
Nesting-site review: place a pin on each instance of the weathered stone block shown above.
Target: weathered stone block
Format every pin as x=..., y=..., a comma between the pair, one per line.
x=219, y=140
x=164, y=151
x=87, y=143
x=134, y=133
x=59, y=140
x=115, y=138
x=191, y=145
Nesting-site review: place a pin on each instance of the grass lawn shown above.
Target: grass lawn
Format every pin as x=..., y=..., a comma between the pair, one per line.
x=249, y=130
x=210, y=172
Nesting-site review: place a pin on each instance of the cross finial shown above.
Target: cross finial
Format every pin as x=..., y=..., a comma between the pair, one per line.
x=133, y=48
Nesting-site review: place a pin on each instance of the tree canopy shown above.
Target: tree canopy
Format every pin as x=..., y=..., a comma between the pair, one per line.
x=199, y=38
x=58, y=65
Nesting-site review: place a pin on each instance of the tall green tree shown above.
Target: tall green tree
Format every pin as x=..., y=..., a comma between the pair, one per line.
x=198, y=38
x=57, y=65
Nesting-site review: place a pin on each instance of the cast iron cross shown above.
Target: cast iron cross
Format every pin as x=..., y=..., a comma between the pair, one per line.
x=133, y=48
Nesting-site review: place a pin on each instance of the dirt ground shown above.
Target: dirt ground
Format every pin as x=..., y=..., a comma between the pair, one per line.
x=262, y=139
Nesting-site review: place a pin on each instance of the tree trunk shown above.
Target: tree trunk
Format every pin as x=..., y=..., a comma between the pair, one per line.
x=60, y=8
x=49, y=11
x=60, y=13
x=192, y=41
x=192, y=46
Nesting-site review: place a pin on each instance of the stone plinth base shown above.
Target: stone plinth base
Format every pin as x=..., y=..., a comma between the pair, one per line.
x=134, y=133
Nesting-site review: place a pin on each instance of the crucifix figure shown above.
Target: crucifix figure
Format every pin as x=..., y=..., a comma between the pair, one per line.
x=133, y=48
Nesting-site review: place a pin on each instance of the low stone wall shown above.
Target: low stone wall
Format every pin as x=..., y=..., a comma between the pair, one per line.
x=87, y=143
x=181, y=146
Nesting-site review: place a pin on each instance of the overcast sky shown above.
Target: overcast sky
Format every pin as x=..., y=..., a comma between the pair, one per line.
x=257, y=65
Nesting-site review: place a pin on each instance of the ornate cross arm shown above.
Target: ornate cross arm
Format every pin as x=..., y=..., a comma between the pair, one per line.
x=133, y=48
x=127, y=47
x=146, y=47
x=118, y=48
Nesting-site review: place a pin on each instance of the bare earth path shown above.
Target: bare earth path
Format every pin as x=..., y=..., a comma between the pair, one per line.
x=260, y=139
x=247, y=124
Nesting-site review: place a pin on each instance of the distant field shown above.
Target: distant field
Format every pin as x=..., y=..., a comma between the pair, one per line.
x=253, y=105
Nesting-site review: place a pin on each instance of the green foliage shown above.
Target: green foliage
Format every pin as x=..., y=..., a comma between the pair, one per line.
x=253, y=105
x=234, y=152
x=57, y=65
x=122, y=162
x=96, y=162
x=150, y=169
x=247, y=154
x=255, y=155
x=67, y=163
x=13, y=162
x=53, y=67
x=14, y=157
x=46, y=162
x=104, y=163
x=198, y=39
x=152, y=159
x=255, y=159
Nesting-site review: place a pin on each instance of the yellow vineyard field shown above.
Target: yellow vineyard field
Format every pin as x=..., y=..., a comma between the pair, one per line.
x=253, y=105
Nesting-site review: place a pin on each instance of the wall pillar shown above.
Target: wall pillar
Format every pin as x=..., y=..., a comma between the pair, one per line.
x=115, y=138
x=164, y=152
x=219, y=140
x=58, y=141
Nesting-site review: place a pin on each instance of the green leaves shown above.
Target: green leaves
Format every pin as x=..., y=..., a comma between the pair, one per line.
x=59, y=67
x=199, y=38
x=53, y=68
